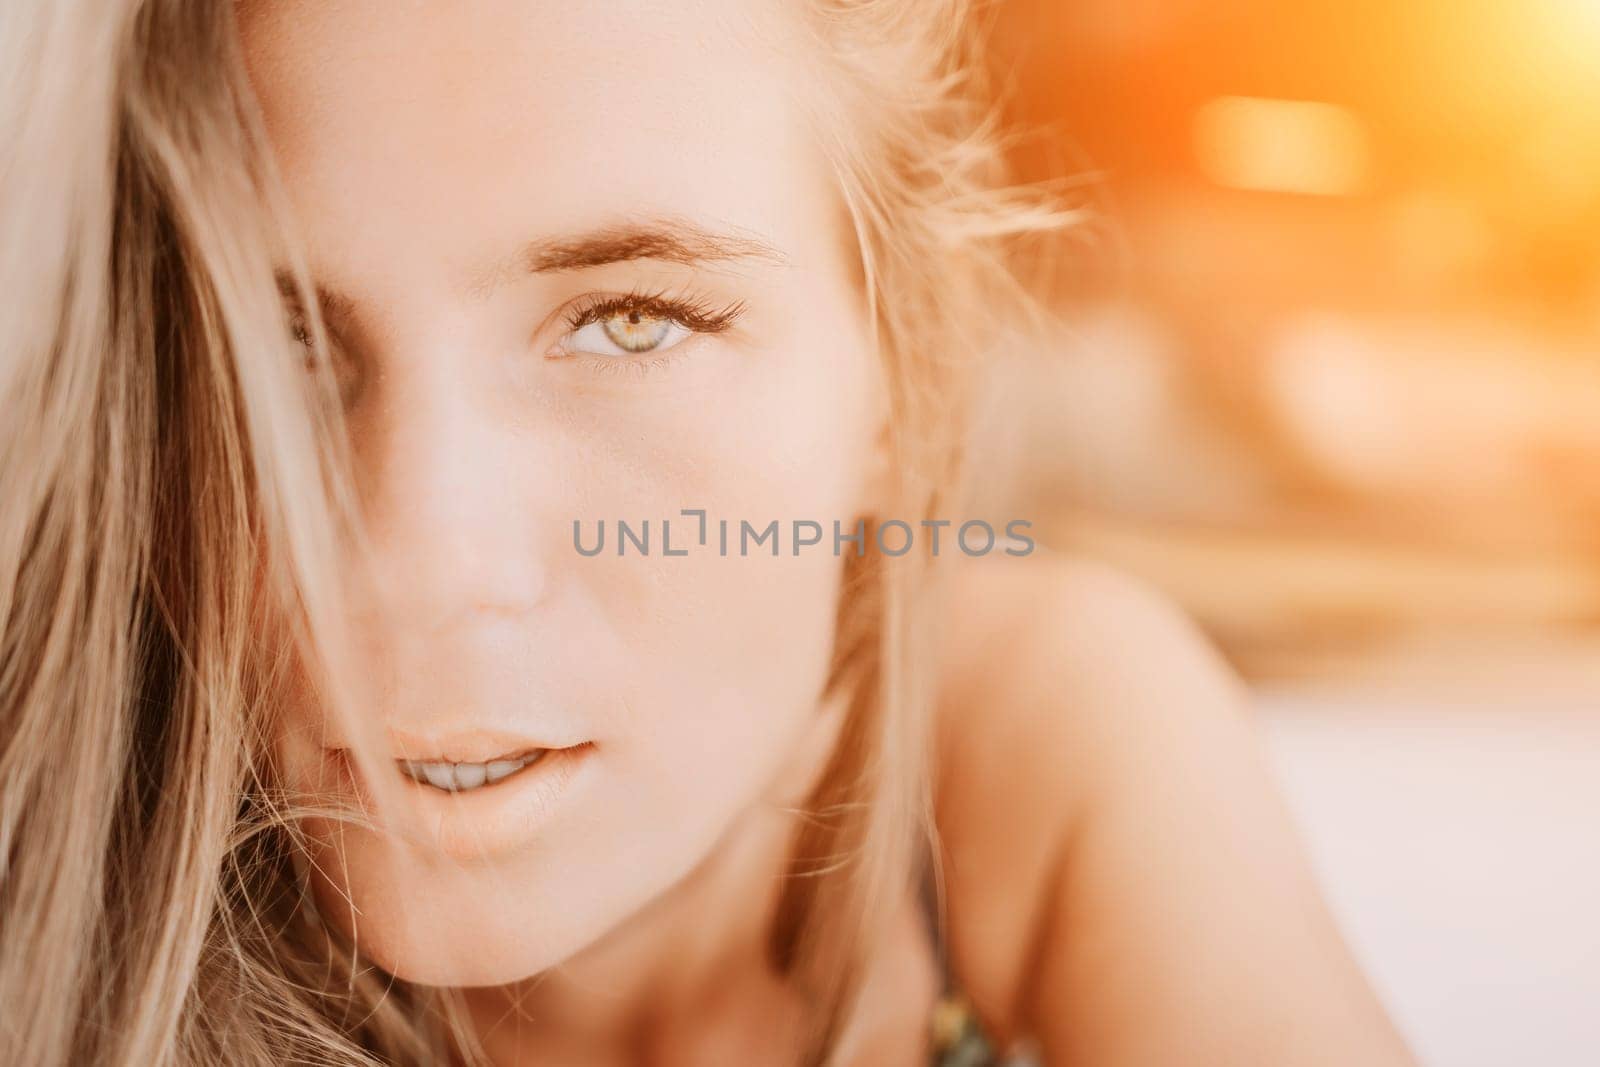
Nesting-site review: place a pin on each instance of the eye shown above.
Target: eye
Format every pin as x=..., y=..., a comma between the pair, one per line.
x=625, y=332
x=345, y=371
x=640, y=324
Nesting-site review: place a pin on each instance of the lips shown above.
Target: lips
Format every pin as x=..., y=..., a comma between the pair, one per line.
x=536, y=791
x=472, y=745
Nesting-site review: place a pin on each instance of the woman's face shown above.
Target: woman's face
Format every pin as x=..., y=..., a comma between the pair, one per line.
x=584, y=263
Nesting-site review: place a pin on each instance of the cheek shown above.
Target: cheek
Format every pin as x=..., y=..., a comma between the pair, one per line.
x=726, y=654
x=780, y=435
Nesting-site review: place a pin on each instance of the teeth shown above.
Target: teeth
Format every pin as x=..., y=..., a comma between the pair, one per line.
x=502, y=768
x=460, y=777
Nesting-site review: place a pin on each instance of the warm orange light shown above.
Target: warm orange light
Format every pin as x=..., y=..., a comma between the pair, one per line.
x=1585, y=14
x=1575, y=29
x=1285, y=146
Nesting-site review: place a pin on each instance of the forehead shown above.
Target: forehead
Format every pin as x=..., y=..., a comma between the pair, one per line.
x=475, y=121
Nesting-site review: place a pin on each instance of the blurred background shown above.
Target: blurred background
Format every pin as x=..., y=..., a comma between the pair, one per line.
x=1330, y=376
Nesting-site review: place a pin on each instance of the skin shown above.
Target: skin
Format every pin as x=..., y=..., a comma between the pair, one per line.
x=433, y=154
x=1123, y=879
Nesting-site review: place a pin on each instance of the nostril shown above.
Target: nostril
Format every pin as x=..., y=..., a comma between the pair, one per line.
x=501, y=606
x=432, y=586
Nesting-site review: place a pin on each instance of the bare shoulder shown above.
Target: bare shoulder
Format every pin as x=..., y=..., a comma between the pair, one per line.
x=1047, y=662
x=1069, y=641
x=1122, y=879
x=1053, y=671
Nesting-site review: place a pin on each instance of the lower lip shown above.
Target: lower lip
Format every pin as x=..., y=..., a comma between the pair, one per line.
x=482, y=823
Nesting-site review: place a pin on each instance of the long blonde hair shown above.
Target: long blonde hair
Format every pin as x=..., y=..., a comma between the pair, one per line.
x=163, y=475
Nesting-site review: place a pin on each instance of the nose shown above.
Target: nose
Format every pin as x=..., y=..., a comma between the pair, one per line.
x=451, y=508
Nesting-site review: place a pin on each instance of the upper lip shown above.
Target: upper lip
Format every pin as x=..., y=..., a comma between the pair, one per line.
x=466, y=746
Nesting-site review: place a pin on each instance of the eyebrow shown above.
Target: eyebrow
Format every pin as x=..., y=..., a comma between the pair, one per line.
x=668, y=240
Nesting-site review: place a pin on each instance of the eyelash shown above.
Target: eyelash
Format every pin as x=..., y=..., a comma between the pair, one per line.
x=300, y=329
x=694, y=313
x=691, y=312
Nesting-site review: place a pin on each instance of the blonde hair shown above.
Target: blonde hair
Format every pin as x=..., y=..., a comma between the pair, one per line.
x=161, y=482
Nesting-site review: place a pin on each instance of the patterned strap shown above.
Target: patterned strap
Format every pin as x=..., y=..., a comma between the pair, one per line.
x=958, y=1038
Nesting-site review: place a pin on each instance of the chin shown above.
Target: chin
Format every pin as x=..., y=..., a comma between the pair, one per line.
x=467, y=945
x=444, y=925
x=442, y=966
x=447, y=925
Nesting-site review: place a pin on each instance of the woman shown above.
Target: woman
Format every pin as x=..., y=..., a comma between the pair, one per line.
x=343, y=335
